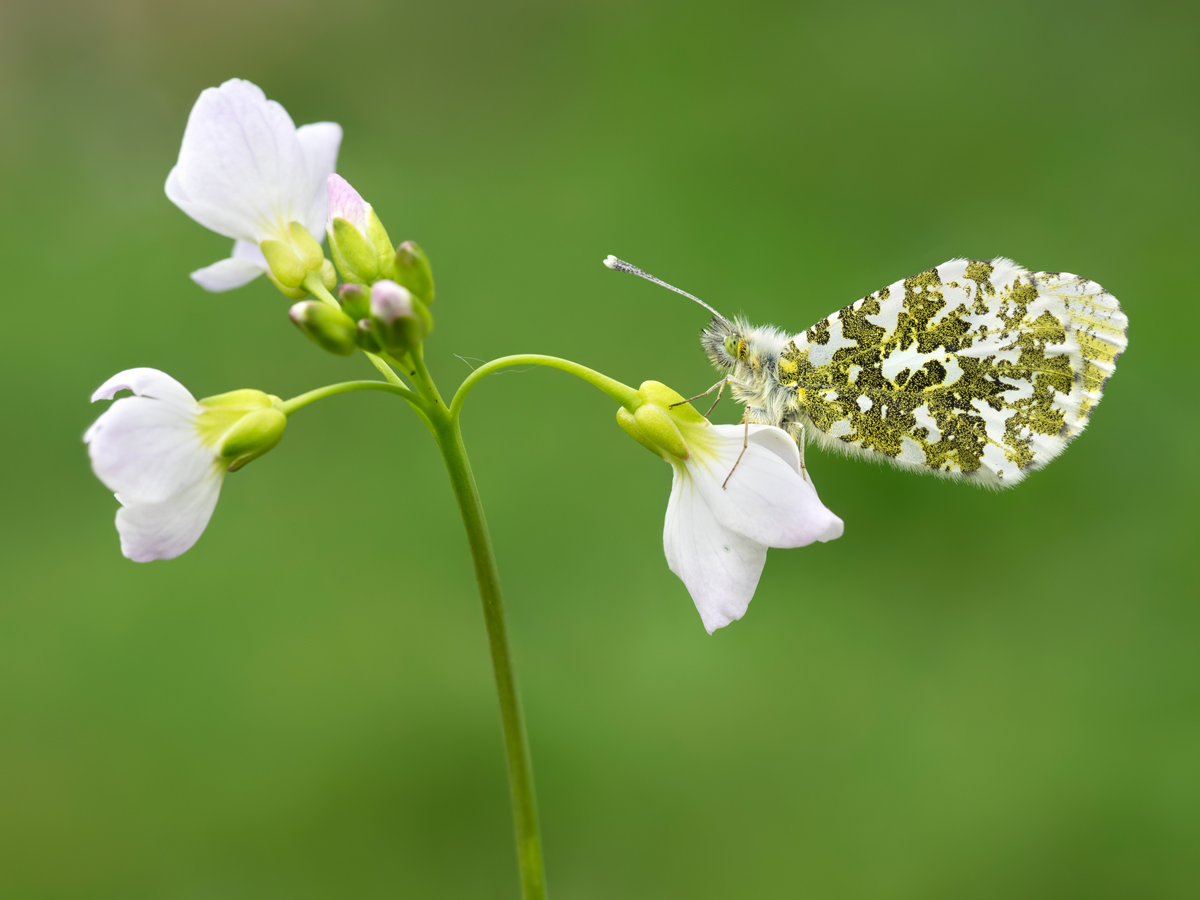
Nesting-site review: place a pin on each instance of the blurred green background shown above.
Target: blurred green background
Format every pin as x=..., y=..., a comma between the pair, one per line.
x=301, y=706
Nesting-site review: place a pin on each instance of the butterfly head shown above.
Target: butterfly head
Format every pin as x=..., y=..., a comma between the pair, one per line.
x=725, y=342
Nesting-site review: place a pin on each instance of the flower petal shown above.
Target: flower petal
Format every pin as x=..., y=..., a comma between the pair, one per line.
x=146, y=448
x=766, y=499
x=321, y=142
x=243, y=266
x=166, y=529
x=145, y=382
x=346, y=203
x=719, y=567
x=242, y=172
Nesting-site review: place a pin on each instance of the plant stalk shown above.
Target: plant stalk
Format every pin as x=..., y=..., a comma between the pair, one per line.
x=516, y=744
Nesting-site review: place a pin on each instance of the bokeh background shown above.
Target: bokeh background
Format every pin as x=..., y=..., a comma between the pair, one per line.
x=969, y=695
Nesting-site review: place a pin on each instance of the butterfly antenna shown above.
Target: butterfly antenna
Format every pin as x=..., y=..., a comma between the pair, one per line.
x=621, y=266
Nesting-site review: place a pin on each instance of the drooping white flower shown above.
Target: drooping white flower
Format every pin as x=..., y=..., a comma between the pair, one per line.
x=247, y=172
x=165, y=455
x=717, y=534
x=727, y=506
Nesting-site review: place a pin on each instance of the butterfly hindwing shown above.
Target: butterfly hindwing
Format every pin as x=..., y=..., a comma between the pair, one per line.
x=972, y=369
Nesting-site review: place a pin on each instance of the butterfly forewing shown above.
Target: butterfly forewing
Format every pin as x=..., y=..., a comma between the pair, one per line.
x=971, y=369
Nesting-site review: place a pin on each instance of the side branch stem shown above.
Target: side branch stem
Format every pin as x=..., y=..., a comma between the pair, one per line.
x=622, y=393
x=302, y=400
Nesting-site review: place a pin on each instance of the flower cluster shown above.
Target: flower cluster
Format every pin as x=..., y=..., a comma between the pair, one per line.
x=247, y=172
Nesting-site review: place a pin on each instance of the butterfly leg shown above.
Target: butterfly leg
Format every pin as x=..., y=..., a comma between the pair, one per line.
x=800, y=441
x=719, y=387
x=797, y=430
x=745, y=444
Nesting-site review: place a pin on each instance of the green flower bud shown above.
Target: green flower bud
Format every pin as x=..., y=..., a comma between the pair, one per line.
x=357, y=239
x=365, y=337
x=328, y=275
x=251, y=436
x=400, y=321
x=328, y=328
x=355, y=301
x=414, y=272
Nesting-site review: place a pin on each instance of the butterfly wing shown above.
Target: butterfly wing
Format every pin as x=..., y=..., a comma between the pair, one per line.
x=973, y=369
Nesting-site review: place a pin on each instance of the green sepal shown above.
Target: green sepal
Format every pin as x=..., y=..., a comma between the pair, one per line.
x=291, y=293
x=656, y=424
x=660, y=395
x=328, y=328
x=287, y=266
x=626, y=420
x=328, y=275
x=355, y=257
x=385, y=257
x=251, y=436
x=307, y=246
x=414, y=272
x=245, y=397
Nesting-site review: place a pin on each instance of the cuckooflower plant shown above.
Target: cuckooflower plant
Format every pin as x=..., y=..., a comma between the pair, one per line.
x=248, y=173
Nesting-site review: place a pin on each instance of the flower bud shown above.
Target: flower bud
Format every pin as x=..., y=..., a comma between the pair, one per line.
x=414, y=272
x=400, y=321
x=357, y=239
x=355, y=301
x=328, y=328
x=365, y=337
x=251, y=436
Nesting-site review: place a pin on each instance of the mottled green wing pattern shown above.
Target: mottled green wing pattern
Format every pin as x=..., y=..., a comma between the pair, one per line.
x=972, y=369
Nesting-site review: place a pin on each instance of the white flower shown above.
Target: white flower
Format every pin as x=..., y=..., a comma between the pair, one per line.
x=727, y=506
x=715, y=537
x=165, y=456
x=247, y=172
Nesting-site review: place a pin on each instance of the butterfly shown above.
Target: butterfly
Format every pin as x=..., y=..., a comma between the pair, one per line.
x=975, y=370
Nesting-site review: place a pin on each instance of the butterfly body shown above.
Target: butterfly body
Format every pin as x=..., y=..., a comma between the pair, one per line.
x=974, y=370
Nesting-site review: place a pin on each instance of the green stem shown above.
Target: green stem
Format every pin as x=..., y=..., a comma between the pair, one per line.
x=302, y=400
x=622, y=393
x=314, y=285
x=423, y=379
x=520, y=770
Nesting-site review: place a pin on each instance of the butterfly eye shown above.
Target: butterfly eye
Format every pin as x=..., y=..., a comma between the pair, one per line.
x=733, y=346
